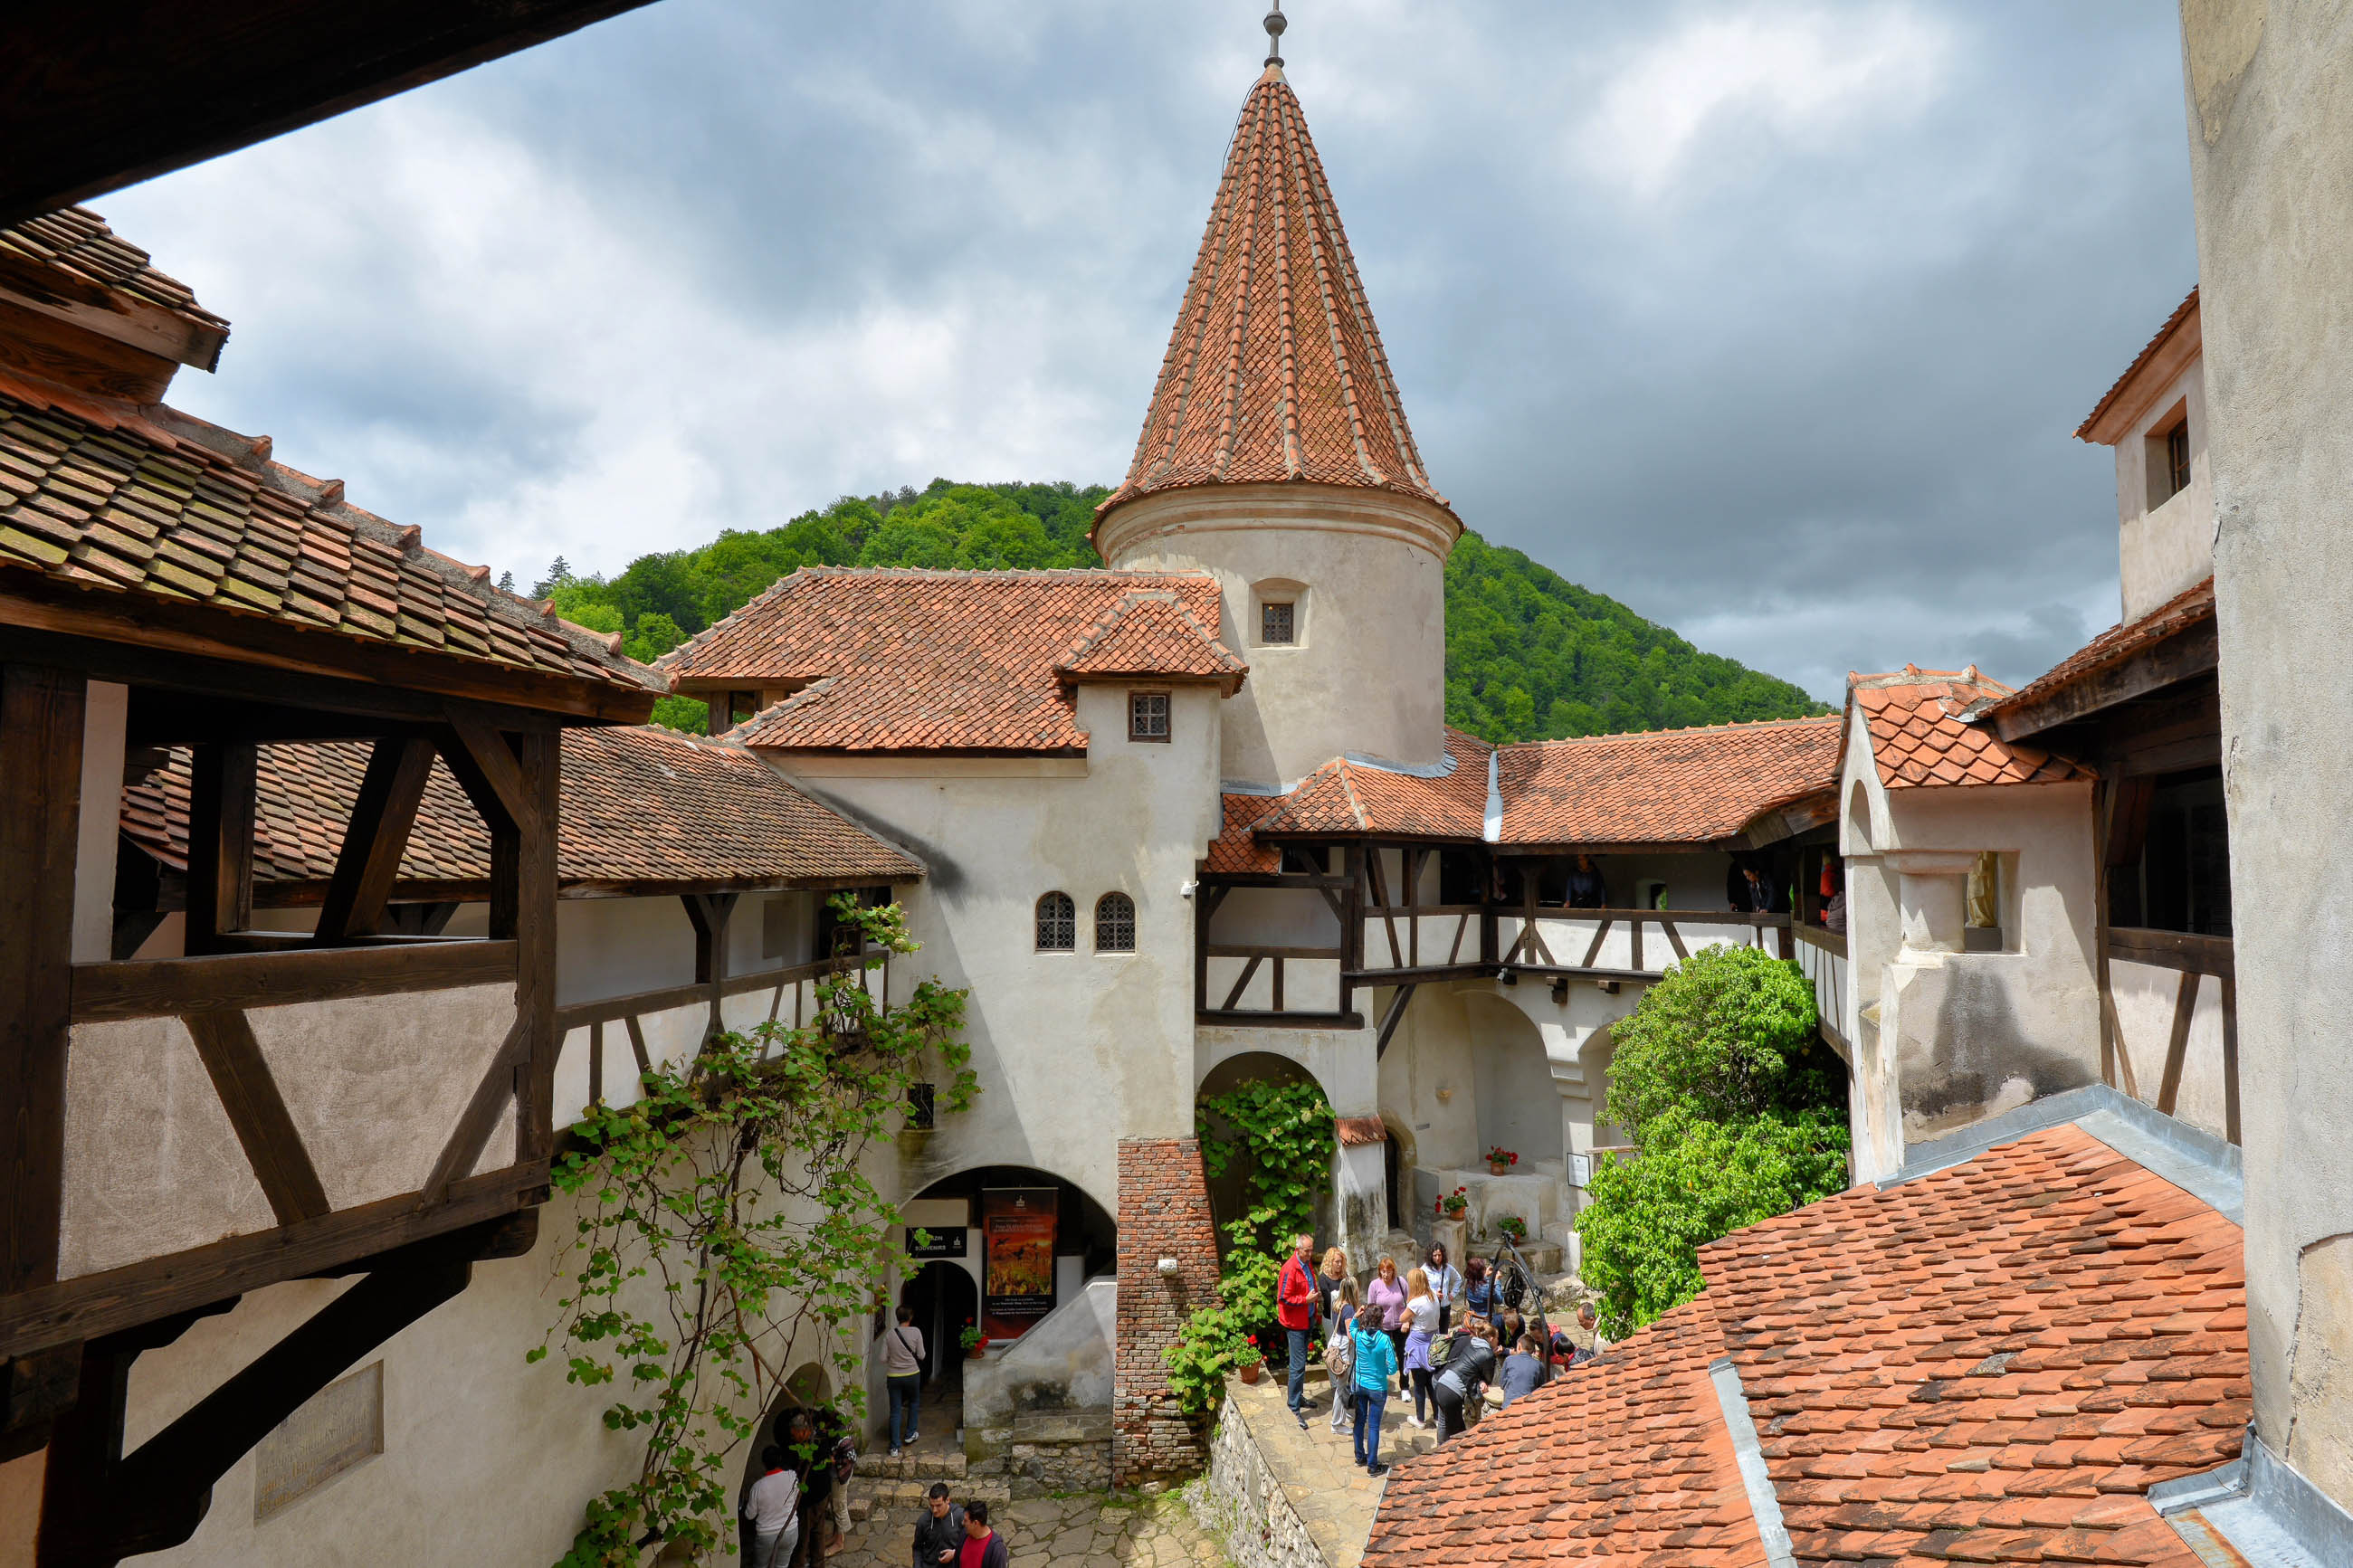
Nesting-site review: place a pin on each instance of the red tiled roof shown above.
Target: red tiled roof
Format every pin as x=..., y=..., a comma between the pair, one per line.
x=2118, y=643
x=1233, y=852
x=1992, y=1364
x=905, y=660
x=1918, y=738
x=1151, y=634
x=1664, y=787
x=71, y=258
x=1348, y=796
x=641, y=808
x=2172, y=324
x=1625, y=1461
x=146, y=504
x=1274, y=371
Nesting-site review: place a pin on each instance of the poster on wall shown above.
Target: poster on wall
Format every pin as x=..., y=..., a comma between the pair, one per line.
x=1017, y=1228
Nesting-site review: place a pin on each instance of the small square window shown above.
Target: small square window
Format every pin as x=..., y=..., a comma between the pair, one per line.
x=1276, y=623
x=1147, y=715
x=2176, y=456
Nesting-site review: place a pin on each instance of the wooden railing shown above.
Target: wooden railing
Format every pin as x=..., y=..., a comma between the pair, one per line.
x=2198, y=959
x=1822, y=955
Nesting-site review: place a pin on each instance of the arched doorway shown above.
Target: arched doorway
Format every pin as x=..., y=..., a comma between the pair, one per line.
x=808, y=1389
x=1227, y=1193
x=945, y=1302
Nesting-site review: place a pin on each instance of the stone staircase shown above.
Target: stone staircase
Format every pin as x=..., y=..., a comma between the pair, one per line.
x=887, y=1485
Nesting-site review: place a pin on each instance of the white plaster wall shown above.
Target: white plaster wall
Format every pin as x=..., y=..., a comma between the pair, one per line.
x=1368, y=673
x=1073, y=1050
x=106, y=710
x=1430, y=1057
x=2145, y=997
x=612, y=947
x=2271, y=95
x=1519, y=1106
x=2166, y=549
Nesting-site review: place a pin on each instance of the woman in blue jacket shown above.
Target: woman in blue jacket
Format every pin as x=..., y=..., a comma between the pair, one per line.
x=1376, y=1364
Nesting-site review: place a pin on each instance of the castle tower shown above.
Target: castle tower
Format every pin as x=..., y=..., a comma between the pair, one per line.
x=1276, y=454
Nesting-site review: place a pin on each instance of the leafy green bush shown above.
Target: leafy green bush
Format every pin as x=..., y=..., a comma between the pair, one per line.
x=1696, y=1180
x=1730, y=1033
x=1721, y=1080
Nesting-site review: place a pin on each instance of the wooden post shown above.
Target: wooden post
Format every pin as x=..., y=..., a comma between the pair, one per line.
x=2231, y=1054
x=220, y=845
x=541, y=756
x=41, y=827
x=1489, y=939
x=374, y=839
x=710, y=913
x=1352, y=921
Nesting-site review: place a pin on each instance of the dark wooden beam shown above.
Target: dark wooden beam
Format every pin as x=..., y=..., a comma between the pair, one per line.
x=542, y=764
x=374, y=838
x=93, y=1304
x=497, y=1088
x=220, y=844
x=152, y=988
x=94, y=100
x=40, y=824
x=284, y=662
x=2192, y=651
x=1281, y=1020
x=1392, y=1018
x=258, y=1114
x=2182, y=950
x=2177, y=1045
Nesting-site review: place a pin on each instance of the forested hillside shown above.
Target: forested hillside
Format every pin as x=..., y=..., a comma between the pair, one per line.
x=1529, y=655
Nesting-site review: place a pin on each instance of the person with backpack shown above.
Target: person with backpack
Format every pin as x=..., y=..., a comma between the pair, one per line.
x=902, y=1375
x=1376, y=1364
x=773, y=1509
x=1464, y=1366
x=1339, y=1351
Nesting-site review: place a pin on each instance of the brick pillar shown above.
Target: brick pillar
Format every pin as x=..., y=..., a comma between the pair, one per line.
x=1163, y=1212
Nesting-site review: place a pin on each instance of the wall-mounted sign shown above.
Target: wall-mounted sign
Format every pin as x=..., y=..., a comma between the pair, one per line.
x=1016, y=1227
x=935, y=1241
x=1580, y=1170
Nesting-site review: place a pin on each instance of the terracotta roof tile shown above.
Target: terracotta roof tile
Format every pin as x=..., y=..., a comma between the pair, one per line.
x=1233, y=852
x=2182, y=314
x=640, y=806
x=134, y=501
x=906, y=661
x=1151, y=634
x=1664, y=787
x=1994, y=1362
x=76, y=243
x=1275, y=370
x=1918, y=737
x=1347, y=795
x=2188, y=608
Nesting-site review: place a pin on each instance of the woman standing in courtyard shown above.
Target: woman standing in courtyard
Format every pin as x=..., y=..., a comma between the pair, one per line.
x=1385, y=1304
x=1445, y=1284
x=1420, y=1323
x=1339, y=1348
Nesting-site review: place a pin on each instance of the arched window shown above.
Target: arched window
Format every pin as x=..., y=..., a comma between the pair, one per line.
x=1058, y=924
x=1114, y=923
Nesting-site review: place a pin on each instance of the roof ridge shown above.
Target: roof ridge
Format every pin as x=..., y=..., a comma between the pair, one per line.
x=1726, y=728
x=2148, y=351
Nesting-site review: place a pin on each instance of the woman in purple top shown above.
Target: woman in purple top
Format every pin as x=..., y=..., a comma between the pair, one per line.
x=1385, y=1299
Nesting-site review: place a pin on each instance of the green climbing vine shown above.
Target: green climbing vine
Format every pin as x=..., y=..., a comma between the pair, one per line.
x=725, y=1214
x=1279, y=1136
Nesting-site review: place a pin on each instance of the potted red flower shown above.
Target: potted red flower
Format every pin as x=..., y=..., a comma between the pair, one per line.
x=1456, y=1204
x=1253, y=1360
x=1501, y=1160
x=974, y=1342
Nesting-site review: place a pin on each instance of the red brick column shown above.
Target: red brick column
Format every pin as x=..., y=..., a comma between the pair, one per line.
x=1163, y=1212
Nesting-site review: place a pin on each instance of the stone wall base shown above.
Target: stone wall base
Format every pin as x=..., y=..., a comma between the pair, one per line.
x=1243, y=1505
x=1045, y=1452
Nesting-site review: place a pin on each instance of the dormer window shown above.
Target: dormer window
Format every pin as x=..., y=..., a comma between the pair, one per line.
x=2168, y=446
x=2176, y=456
x=1276, y=623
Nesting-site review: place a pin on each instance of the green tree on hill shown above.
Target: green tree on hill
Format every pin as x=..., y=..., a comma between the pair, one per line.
x=1529, y=655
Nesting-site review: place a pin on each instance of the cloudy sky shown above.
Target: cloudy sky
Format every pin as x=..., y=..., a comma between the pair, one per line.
x=1770, y=319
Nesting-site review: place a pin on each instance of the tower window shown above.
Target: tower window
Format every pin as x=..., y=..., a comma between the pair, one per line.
x=1058, y=924
x=2176, y=456
x=1277, y=623
x=1114, y=923
x=2168, y=462
x=1147, y=715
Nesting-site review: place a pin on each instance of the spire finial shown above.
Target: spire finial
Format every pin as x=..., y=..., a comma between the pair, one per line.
x=1274, y=27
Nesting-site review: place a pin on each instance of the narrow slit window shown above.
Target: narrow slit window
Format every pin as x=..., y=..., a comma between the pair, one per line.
x=1147, y=715
x=1276, y=622
x=2176, y=456
x=1114, y=923
x=1058, y=924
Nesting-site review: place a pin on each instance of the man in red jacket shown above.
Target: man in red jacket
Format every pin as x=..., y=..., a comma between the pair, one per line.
x=1295, y=1309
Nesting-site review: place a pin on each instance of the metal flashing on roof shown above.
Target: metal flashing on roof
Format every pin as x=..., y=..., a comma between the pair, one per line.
x=2206, y=1167
x=1748, y=1453
x=2256, y=1511
x=1437, y=770
x=1491, y=826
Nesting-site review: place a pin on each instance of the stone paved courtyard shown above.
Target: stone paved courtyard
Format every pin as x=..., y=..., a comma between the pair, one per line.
x=1088, y=1531
x=1332, y=1496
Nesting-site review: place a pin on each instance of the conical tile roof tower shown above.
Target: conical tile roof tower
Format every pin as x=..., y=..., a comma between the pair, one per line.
x=1275, y=372
x=1277, y=454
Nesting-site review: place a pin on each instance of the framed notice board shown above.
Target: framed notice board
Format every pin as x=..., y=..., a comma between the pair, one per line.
x=1017, y=1228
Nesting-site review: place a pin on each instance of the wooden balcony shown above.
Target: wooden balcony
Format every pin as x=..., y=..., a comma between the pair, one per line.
x=2205, y=988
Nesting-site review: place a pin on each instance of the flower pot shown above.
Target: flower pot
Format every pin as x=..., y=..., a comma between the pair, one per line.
x=975, y=1352
x=1498, y=1168
x=1250, y=1373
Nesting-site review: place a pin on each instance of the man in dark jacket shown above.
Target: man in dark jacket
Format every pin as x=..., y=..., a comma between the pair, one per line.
x=940, y=1532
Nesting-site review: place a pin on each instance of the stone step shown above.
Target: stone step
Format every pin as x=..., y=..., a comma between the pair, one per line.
x=1062, y=1427
x=869, y=1499
x=917, y=1464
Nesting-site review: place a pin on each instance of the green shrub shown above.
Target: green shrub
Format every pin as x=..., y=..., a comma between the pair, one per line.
x=1696, y=1180
x=1720, y=1038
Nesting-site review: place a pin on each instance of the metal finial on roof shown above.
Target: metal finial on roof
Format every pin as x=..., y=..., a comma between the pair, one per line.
x=1274, y=27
